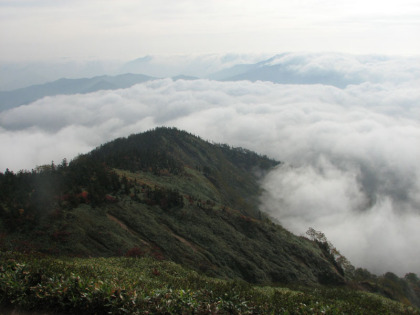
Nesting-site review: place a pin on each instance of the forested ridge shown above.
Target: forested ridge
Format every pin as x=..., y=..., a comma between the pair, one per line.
x=169, y=195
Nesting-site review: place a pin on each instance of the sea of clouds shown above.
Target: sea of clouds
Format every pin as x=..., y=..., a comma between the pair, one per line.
x=351, y=154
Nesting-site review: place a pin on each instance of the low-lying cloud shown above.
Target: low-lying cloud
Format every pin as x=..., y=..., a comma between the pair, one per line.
x=351, y=155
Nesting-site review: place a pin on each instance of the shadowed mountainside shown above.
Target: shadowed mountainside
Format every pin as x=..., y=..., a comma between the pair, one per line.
x=167, y=194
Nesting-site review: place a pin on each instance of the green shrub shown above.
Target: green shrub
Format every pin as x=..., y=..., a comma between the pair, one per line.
x=144, y=285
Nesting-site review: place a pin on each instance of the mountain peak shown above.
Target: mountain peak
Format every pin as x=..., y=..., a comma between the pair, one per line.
x=163, y=193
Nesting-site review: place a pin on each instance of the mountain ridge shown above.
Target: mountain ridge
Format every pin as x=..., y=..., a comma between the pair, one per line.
x=281, y=69
x=171, y=196
x=26, y=95
x=164, y=193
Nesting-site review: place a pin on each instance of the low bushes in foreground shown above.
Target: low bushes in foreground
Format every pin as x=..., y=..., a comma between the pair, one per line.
x=144, y=285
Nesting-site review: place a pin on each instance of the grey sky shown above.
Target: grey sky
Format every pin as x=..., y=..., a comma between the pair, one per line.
x=126, y=29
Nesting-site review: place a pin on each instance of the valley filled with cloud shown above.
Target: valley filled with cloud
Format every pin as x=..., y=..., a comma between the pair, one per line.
x=350, y=151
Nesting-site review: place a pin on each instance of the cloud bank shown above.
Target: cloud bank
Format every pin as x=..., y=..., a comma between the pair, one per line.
x=351, y=155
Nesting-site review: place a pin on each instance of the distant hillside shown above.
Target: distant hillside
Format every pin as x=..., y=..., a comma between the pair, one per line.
x=286, y=69
x=164, y=193
x=184, y=77
x=10, y=99
x=283, y=69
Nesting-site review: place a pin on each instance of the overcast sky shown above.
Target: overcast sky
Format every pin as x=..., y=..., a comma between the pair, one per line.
x=127, y=29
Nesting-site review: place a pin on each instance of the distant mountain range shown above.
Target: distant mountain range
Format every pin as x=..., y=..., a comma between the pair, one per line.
x=27, y=95
x=284, y=69
x=10, y=99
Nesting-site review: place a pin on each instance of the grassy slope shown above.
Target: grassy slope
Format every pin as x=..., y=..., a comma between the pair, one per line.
x=204, y=234
x=138, y=286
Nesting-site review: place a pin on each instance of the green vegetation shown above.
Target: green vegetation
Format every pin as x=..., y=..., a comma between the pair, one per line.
x=158, y=199
x=164, y=193
x=145, y=285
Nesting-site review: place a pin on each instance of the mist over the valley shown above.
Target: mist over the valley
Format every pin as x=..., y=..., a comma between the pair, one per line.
x=351, y=150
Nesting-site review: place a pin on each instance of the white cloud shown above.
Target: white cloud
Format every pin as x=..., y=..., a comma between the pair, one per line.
x=351, y=154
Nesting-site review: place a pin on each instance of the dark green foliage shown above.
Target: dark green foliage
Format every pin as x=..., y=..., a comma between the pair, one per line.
x=405, y=290
x=247, y=159
x=27, y=197
x=163, y=151
x=400, y=289
x=205, y=217
x=165, y=198
x=141, y=286
x=142, y=152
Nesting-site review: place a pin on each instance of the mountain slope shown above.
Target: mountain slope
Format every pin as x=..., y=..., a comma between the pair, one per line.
x=10, y=99
x=167, y=194
x=229, y=172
